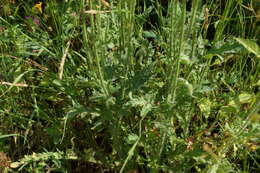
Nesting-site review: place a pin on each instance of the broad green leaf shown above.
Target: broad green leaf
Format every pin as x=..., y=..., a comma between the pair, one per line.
x=225, y=48
x=149, y=34
x=58, y=83
x=258, y=83
x=132, y=138
x=184, y=59
x=242, y=99
x=250, y=45
x=234, y=105
x=185, y=87
x=227, y=110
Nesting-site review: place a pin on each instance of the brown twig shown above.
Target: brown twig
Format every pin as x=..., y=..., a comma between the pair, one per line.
x=30, y=62
x=105, y=3
x=63, y=61
x=206, y=19
x=96, y=12
x=14, y=84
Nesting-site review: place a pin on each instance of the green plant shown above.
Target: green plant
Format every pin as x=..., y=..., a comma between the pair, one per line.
x=130, y=86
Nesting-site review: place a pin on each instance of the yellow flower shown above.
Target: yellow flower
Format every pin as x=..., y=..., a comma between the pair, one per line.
x=253, y=147
x=38, y=6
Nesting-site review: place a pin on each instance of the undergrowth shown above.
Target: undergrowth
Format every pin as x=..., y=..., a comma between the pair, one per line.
x=129, y=86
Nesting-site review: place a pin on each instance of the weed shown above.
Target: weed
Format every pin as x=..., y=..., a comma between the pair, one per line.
x=129, y=86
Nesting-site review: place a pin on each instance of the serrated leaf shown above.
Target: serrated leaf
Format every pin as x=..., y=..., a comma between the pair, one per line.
x=205, y=106
x=250, y=45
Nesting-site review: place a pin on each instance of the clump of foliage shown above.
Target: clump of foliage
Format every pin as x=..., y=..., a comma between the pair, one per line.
x=129, y=86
